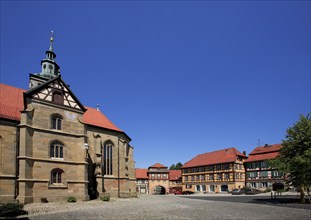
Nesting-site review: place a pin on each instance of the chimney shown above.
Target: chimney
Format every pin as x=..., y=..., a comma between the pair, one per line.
x=244, y=152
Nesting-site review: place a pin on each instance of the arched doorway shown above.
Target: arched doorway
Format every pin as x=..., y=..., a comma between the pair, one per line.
x=159, y=190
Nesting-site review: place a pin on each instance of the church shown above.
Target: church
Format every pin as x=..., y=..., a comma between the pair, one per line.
x=53, y=147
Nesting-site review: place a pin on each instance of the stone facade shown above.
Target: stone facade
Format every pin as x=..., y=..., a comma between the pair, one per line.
x=53, y=147
x=8, y=150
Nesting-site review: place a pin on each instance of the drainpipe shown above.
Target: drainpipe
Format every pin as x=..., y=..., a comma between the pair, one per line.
x=16, y=163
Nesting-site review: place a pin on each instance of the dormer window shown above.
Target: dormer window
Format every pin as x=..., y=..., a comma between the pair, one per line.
x=56, y=122
x=58, y=97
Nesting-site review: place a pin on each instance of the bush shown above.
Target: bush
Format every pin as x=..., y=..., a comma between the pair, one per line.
x=105, y=198
x=71, y=199
x=11, y=209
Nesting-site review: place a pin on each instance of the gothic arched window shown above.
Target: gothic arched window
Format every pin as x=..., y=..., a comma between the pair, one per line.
x=107, y=158
x=56, y=176
x=56, y=149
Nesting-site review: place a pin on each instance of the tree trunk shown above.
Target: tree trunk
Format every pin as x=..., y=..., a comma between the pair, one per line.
x=302, y=195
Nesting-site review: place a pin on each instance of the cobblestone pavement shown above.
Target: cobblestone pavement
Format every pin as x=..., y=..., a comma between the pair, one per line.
x=162, y=207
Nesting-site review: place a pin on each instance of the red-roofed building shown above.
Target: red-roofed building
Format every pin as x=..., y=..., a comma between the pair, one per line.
x=142, y=180
x=53, y=147
x=217, y=171
x=259, y=173
x=175, y=181
x=158, y=179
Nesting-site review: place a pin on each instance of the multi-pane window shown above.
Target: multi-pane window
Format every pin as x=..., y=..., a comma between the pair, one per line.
x=211, y=177
x=218, y=167
x=226, y=166
x=202, y=177
x=56, y=176
x=186, y=178
x=252, y=174
x=56, y=149
x=219, y=176
x=56, y=122
x=226, y=176
x=276, y=173
x=107, y=158
x=264, y=164
x=264, y=174
x=209, y=168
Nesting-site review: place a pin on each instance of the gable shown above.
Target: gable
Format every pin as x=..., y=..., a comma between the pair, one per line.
x=57, y=92
x=12, y=103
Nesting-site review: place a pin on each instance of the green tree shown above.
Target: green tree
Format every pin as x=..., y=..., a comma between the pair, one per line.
x=295, y=156
x=176, y=167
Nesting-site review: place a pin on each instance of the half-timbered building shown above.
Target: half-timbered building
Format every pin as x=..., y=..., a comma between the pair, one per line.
x=214, y=172
x=259, y=172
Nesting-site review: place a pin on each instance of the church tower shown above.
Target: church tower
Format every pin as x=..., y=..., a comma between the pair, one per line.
x=49, y=67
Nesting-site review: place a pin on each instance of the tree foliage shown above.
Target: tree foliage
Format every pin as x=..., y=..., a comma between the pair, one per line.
x=295, y=155
x=176, y=167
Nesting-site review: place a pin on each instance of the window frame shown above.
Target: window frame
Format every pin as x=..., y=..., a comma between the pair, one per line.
x=56, y=150
x=56, y=176
x=56, y=122
x=107, y=155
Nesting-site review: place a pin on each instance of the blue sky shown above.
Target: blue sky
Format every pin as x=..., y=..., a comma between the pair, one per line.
x=179, y=77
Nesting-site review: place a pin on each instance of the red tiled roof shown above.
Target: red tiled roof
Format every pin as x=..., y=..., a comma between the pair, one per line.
x=264, y=153
x=221, y=156
x=11, y=102
x=175, y=174
x=266, y=149
x=141, y=173
x=157, y=165
x=94, y=117
x=259, y=157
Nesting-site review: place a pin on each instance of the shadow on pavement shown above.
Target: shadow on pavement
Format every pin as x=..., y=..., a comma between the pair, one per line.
x=284, y=201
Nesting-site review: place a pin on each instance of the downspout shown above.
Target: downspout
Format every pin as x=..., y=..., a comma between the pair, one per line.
x=16, y=163
x=118, y=165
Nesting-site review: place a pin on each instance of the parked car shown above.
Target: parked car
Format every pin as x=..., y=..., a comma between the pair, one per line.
x=251, y=191
x=238, y=191
x=187, y=192
x=178, y=192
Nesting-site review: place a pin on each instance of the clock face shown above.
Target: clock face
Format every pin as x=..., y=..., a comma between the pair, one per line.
x=70, y=116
